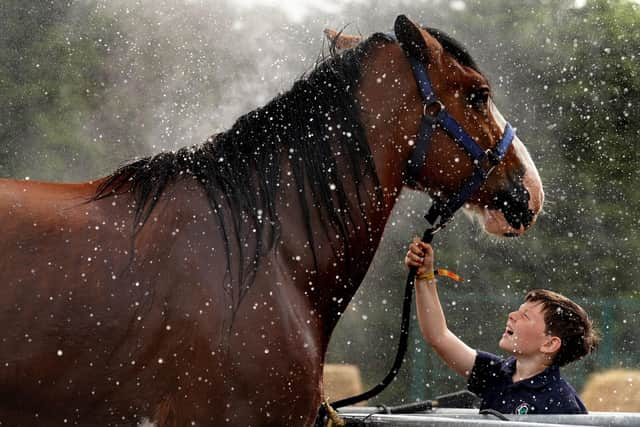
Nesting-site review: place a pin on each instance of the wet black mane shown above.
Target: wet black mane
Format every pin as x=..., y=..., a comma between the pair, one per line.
x=240, y=169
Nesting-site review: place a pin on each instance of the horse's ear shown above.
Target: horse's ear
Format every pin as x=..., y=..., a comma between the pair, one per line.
x=341, y=41
x=411, y=38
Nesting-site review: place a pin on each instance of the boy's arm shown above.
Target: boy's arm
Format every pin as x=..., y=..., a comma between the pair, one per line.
x=433, y=325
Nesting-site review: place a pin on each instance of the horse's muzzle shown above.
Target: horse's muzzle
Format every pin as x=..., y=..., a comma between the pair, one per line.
x=514, y=204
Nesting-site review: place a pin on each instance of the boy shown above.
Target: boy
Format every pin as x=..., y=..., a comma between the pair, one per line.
x=546, y=332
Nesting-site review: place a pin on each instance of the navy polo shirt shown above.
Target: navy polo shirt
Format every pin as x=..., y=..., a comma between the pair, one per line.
x=544, y=393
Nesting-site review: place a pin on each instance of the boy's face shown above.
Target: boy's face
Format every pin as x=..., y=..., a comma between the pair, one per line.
x=526, y=331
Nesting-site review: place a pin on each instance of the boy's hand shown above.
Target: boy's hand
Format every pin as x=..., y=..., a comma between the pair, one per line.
x=420, y=255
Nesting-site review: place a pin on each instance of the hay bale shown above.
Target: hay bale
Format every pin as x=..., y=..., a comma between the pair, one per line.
x=615, y=390
x=341, y=381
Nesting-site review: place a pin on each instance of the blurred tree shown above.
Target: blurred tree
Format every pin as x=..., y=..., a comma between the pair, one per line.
x=51, y=78
x=593, y=87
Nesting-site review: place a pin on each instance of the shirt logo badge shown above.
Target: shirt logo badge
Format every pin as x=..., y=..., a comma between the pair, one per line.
x=522, y=409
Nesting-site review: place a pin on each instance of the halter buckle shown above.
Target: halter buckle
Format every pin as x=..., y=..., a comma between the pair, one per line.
x=427, y=105
x=490, y=160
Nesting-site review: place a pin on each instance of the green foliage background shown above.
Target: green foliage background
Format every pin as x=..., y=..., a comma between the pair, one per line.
x=86, y=85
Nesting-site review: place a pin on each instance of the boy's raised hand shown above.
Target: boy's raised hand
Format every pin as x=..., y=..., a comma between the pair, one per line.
x=433, y=325
x=420, y=255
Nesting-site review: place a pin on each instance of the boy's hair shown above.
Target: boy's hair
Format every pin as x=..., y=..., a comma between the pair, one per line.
x=568, y=321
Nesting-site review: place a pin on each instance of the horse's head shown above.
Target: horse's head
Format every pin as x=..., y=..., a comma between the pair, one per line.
x=510, y=199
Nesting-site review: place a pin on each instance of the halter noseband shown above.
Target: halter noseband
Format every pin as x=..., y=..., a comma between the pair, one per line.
x=484, y=161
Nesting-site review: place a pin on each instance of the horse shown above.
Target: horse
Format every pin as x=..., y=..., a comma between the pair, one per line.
x=201, y=287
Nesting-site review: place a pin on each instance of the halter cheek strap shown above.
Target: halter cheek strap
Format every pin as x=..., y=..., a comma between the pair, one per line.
x=484, y=161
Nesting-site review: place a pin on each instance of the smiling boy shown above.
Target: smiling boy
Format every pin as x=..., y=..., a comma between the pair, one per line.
x=546, y=332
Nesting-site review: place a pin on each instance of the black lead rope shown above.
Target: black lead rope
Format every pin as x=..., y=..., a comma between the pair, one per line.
x=323, y=413
x=404, y=337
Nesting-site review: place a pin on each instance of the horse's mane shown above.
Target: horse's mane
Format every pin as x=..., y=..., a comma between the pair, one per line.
x=240, y=169
x=454, y=47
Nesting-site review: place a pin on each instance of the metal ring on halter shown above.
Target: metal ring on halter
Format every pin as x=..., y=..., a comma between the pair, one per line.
x=437, y=102
x=492, y=159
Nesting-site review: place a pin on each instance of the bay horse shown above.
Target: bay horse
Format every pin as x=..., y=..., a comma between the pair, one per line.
x=201, y=287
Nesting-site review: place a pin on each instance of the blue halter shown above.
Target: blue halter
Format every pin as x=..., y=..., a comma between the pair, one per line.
x=484, y=161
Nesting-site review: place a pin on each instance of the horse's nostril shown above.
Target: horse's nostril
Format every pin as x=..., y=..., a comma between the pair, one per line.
x=514, y=204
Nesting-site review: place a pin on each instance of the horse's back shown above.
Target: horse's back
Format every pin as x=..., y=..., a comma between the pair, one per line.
x=16, y=194
x=47, y=223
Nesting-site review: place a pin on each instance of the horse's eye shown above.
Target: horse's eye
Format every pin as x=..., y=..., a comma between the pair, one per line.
x=479, y=99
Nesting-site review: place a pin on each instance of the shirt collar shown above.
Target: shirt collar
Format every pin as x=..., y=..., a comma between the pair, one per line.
x=549, y=375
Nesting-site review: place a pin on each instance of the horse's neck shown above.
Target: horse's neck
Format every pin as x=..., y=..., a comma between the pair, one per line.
x=386, y=88
x=341, y=264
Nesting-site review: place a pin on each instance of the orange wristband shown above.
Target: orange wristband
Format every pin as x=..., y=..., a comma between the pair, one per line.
x=427, y=276
x=440, y=272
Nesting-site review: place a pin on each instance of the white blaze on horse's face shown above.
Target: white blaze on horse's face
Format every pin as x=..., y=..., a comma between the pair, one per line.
x=494, y=221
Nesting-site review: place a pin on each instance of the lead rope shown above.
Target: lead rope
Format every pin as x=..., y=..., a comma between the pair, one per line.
x=326, y=410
